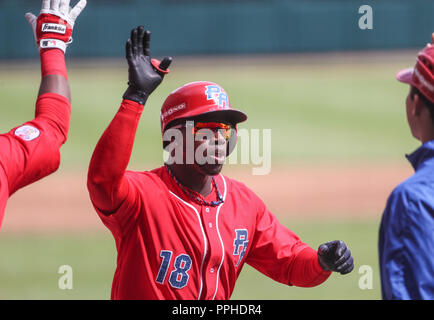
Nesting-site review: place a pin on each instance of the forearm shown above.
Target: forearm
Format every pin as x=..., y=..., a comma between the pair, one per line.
x=54, y=78
x=54, y=99
x=306, y=270
x=106, y=182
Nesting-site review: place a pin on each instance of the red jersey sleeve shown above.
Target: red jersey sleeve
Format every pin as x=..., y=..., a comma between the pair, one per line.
x=120, y=219
x=141, y=190
x=112, y=190
x=32, y=151
x=280, y=254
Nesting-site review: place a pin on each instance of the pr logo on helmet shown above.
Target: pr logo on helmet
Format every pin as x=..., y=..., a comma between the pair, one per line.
x=217, y=94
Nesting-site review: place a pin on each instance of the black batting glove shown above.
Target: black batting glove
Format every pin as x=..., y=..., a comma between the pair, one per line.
x=335, y=256
x=144, y=73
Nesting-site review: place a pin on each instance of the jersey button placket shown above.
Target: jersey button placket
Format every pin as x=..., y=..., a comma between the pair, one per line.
x=209, y=216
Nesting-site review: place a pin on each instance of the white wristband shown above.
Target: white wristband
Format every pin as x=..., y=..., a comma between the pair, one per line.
x=52, y=43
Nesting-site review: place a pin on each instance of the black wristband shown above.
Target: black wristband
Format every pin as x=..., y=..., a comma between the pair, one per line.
x=136, y=95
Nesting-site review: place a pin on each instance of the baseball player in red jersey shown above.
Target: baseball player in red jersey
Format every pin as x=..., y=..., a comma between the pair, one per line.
x=184, y=231
x=30, y=151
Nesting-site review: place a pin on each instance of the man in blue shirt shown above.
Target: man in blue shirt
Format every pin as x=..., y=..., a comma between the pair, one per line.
x=406, y=239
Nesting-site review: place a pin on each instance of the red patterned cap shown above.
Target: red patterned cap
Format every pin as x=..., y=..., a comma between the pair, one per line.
x=422, y=75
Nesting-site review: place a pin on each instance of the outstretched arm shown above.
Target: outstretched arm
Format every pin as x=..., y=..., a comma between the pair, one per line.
x=279, y=253
x=107, y=184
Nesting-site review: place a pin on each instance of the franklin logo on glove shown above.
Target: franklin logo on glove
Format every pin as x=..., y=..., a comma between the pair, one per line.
x=53, y=27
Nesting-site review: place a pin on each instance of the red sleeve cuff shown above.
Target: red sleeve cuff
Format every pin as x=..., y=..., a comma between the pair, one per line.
x=132, y=105
x=57, y=109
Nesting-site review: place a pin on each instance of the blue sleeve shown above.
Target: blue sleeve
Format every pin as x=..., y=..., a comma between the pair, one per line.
x=390, y=248
x=405, y=244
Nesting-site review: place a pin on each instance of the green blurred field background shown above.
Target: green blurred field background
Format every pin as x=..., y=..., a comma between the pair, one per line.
x=332, y=108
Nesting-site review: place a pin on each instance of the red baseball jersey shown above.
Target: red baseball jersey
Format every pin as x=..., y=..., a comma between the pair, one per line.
x=170, y=247
x=31, y=151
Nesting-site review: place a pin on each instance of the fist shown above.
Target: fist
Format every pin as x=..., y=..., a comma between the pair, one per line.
x=335, y=256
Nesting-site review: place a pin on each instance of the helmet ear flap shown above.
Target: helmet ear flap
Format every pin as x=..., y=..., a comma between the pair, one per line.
x=232, y=142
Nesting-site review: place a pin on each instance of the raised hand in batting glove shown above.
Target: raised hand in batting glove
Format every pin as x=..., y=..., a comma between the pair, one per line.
x=335, y=256
x=144, y=73
x=53, y=27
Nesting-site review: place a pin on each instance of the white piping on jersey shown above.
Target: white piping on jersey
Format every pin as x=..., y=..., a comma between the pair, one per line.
x=220, y=237
x=204, y=241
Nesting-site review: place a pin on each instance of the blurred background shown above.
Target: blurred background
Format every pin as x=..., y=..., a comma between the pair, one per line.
x=304, y=69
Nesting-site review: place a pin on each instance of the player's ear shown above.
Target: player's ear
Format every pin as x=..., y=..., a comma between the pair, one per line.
x=414, y=103
x=418, y=105
x=232, y=140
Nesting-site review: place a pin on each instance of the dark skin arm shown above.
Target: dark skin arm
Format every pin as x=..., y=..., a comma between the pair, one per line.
x=55, y=84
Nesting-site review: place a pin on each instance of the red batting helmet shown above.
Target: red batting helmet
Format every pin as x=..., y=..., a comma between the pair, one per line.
x=198, y=98
x=422, y=75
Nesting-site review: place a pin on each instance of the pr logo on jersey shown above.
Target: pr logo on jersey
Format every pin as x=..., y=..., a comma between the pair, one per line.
x=27, y=133
x=240, y=244
x=216, y=93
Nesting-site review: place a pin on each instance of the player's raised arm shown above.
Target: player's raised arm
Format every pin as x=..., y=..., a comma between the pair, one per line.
x=106, y=183
x=52, y=30
x=31, y=151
